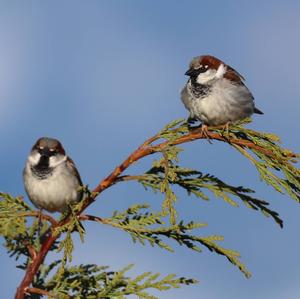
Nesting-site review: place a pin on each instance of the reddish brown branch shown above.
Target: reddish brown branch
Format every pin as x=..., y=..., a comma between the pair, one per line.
x=48, y=218
x=144, y=150
x=38, y=291
x=30, y=249
x=92, y=218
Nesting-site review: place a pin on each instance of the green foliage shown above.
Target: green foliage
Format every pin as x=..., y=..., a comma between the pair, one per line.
x=174, y=130
x=276, y=169
x=194, y=182
x=92, y=281
x=67, y=245
x=150, y=227
x=275, y=165
x=11, y=225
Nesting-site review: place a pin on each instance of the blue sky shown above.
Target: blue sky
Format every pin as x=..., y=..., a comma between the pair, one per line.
x=102, y=76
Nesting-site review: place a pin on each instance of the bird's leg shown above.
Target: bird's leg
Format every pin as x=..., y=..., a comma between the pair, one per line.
x=204, y=132
x=202, y=127
x=225, y=129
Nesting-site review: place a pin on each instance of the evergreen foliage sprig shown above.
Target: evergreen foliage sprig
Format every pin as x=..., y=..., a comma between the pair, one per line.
x=274, y=163
x=150, y=227
x=93, y=282
x=195, y=182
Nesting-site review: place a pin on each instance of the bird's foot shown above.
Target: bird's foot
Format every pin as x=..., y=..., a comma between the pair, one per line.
x=226, y=128
x=204, y=133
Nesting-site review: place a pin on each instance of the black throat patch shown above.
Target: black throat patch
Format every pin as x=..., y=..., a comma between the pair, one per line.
x=199, y=90
x=42, y=169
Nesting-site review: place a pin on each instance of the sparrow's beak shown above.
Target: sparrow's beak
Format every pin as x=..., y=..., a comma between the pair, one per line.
x=191, y=72
x=45, y=152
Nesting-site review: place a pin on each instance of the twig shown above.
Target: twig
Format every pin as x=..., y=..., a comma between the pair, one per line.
x=115, y=224
x=48, y=218
x=38, y=291
x=130, y=178
x=92, y=218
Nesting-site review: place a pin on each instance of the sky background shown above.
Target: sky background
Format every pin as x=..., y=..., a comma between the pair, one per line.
x=102, y=76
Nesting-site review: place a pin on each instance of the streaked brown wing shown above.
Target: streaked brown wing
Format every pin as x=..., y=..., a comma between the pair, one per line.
x=233, y=75
x=71, y=165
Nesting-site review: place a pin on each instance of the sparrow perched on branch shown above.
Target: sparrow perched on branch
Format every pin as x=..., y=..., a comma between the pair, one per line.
x=51, y=179
x=215, y=93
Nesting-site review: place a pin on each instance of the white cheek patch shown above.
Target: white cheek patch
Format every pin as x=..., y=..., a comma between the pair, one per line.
x=203, y=78
x=34, y=158
x=56, y=160
x=221, y=71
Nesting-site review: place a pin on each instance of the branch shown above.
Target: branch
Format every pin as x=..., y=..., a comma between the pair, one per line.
x=46, y=217
x=92, y=218
x=173, y=134
x=30, y=249
x=39, y=292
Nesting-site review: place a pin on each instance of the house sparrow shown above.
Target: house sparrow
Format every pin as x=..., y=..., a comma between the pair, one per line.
x=215, y=94
x=51, y=179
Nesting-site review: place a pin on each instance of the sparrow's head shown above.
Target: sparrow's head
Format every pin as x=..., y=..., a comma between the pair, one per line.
x=204, y=69
x=47, y=153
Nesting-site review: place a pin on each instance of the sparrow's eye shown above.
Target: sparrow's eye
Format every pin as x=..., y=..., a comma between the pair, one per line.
x=203, y=68
x=53, y=151
x=40, y=149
